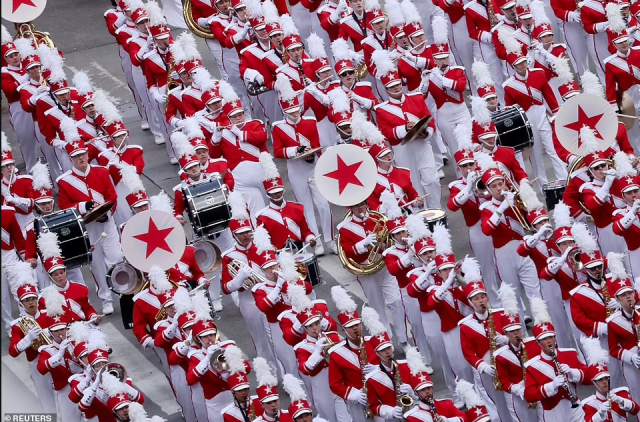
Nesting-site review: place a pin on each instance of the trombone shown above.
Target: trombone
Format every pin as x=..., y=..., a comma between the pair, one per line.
x=518, y=207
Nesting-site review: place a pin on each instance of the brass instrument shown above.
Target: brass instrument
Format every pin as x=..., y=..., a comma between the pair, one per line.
x=375, y=260
x=480, y=190
x=198, y=30
x=328, y=345
x=363, y=360
x=525, y=358
x=252, y=410
x=27, y=30
x=255, y=278
x=171, y=83
x=402, y=400
x=116, y=370
x=519, y=208
x=572, y=397
x=493, y=346
x=161, y=315
x=26, y=323
x=217, y=360
x=255, y=89
x=606, y=298
x=361, y=71
x=573, y=259
x=578, y=163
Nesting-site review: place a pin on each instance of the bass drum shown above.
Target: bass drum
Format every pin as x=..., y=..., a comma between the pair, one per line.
x=207, y=206
x=207, y=255
x=514, y=129
x=72, y=235
x=124, y=279
x=433, y=217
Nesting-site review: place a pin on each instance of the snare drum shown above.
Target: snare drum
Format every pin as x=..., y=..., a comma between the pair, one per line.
x=207, y=255
x=553, y=192
x=72, y=235
x=124, y=279
x=433, y=217
x=207, y=206
x=309, y=261
x=514, y=129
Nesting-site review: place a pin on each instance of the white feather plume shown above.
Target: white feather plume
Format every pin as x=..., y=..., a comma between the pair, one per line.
x=294, y=387
x=227, y=92
x=191, y=127
x=414, y=361
x=105, y=107
x=262, y=240
x=97, y=341
x=177, y=53
x=442, y=237
x=48, y=245
x=481, y=113
x=343, y=301
x=130, y=178
x=616, y=266
x=539, y=311
x=562, y=215
x=371, y=320
x=485, y=161
x=410, y=12
x=189, y=46
x=254, y=7
x=235, y=359
x=560, y=65
x=264, y=374
x=82, y=83
x=624, y=167
x=69, y=129
x=389, y=205
x=270, y=12
x=79, y=332
x=288, y=25
x=362, y=129
x=593, y=352
x=416, y=227
x=284, y=87
x=383, y=62
x=288, y=266
x=25, y=47
x=161, y=202
x=135, y=5
x=507, y=296
x=341, y=51
x=339, y=100
x=268, y=166
x=590, y=84
x=297, y=294
x=137, y=413
x=440, y=29
x=529, y=197
x=203, y=80
x=471, y=270
x=238, y=206
x=155, y=14
x=6, y=37
x=467, y=393
x=6, y=146
x=538, y=13
x=181, y=145
x=506, y=37
x=614, y=17
x=583, y=238
x=111, y=385
x=51, y=60
x=393, y=9
x=158, y=280
x=462, y=132
x=370, y=5
x=182, y=301
x=315, y=47
x=20, y=274
x=482, y=74
x=201, y=306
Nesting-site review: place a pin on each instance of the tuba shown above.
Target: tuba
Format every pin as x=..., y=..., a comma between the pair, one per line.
x=375, y=260
x=200, y=31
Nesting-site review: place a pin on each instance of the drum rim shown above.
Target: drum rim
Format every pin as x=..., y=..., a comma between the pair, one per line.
x=422, y=213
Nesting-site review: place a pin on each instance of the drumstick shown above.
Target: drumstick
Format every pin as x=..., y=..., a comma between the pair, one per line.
x=626, y=116
x=411, y=202
x=202, y=285
x=304, y=246
x=102, y=236
x=118, y=149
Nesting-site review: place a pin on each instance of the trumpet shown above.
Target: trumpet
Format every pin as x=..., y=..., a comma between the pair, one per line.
x=329, y=344
x=26, y=323
x=573, y=259
x=117, y=370
x=234, y=268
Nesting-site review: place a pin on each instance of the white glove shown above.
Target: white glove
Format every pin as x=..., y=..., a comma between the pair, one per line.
x=42, y=89
x=572, y=374
x=274, y=295
x=147, y=343
x=614, y=305
x=59, y=143
x=203, y=366
x=627, y=219
x=397, y=412
x=625, y=404
x=635, y=359
x=131, y=391
x=357, y=396
x=518, y=389
x=555, y=263
x=601, y=26
x=29, y=338
x=158, y=97
x=239, y=36
x=486, y=37
x=406, y=258
x=170, y=331
x=406, y=389
x=544, y=231
x=602, y=329
x=203, y=22
x=89, y=394
x=368, y=368
x=604, y=410
x=424, y=280
x=243, y=274
x=177, y=123
x=342, y=6
x=485, y=368
x=236, y=131
x=446, y=82
x=334, y=17
x=259, y=79
x=471, y=179
x=442, y=290
x=574, y=16
x=320, y=345
x=504, y=205
x=362, y=245
x=557, y=382
x=501, y=339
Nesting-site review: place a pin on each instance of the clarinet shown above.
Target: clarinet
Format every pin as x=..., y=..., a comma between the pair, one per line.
x=572, y=397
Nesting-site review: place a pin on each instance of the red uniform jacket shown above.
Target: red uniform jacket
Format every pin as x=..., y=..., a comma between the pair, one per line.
x=16, y=336
x=506, y=230
x=77, y=296
x=254, y=59
x=288, y=137
x=591, y=13
x=474, y=336
x=478, y=20
x=129, y=154
x=145, y=308
x=631, y=235
x=470, y=209
x=393, y=116
x=74, y=188
x=11, y=79
x=592, y=404
x=535, y=90
x=509, y=362
x=442, y=94
x=21, y=187
x=622, y=335
x=305, y=349
x=588, y=309
x=284, y=223
x=248, y=148
x=59, y=374
x=394, y=265
x=444, y=407
x=619, y=73
x=396, y=180
x=211, y=381
x=601, y=211
x=344, y=367
x=355, y=29
x=186, y=268
x=372, y=43
x=12, y=238
x=381, y=386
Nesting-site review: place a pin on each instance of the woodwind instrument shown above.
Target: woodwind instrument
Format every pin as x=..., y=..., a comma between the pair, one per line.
x=572, y=397
x=363, y=360
x=493, y=19
x=432, y=403
x=606, y=298
x=402, y=400
x=493, y=346
x=638, y=334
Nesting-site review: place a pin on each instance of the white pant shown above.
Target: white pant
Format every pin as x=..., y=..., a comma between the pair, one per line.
x=302, y=17
x=183, y=392
x=63, y=159
x=576, y=39
x=268, y=105
x=165, y=128
x=44, y=387
x=412, y=314
x=634, y=258
x=8, y=258
x=598, y=47
x=123, y=212
x=611, y=242
x=105, y=254
x=307, y=194
x=248, y=177
x=487, y=53
x=417, y=156
x=22, y=124
x=449, y=116
x=140, y=86
x=494, y=400
x=284, y=352
x=256, y=325
x=382, y=290
x=519, y=410
x=357, y=412
x=632, y=377
x=577, y=334
x=162, y=357
x=437, y=144
x=216, y=404
x=327, y=131
x=517, y=271
x=542, y=138
x=435, y=337
x=614, y=366
x=172, y=10
x=50, y=156
x=552, y=295
x=127, y=68
x=459, y=364
x=482, y=247
x=563, y=412
x=462, y=48
x=328, y=405
x=428, y=10
x=199, y=402
x=67, y=409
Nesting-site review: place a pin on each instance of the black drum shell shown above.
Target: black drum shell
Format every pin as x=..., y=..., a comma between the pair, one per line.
x=72, y=235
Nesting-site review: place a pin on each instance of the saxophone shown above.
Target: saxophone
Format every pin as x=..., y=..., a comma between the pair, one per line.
x=493, y=346
x=363, y=360
x=638, y=333
x=402, y=400
x=524, y=360
x=606, y=298
x=252, y=411
x=171, y=83
x=493, y=19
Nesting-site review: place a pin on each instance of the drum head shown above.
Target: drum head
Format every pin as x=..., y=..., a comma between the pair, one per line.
x=554, y=185
x=432, y=215
x=207, y=255
x=305, y=258
x=124, y=278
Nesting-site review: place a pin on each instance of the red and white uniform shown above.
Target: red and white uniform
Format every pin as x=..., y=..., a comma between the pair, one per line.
x=77, y=297
x=21, y=191
x=381, y=387
x=329, y=19
x=397, y=180
x=258, y=59
x=574, y=34
x=416, y=155
x=179, y=356
x=287, y=138
x=622, y=76
x=146, y=306
x=233, y=413
x=60, y=372
x=462, y=44
x=602, y=207
x=631, y=234
x=541, y=371
x=381, y=288
x=364, y=99
x=88, y=129
x=284, y=222
x=443, y=407
x=370, y=44
x=531, y=93
x=13, y=244
x=593, y=404
x=187, y=268
x=594, y=22
x=623, y=343
x=355, y=28
x=542, y=62
x=75, y=189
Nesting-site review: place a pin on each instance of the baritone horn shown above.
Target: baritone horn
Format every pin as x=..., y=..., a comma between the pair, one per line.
x=26, y=323
x=375, y=261
x=573, y=259
x=117, y=370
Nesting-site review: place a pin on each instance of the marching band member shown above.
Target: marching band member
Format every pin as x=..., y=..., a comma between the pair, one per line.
x=570, y=23
x=285, y=221
x=378, y=38
x=381, y=290
x=79, y=333
x=311, y=351
x=86, y=187
x=177, y=108
x=607, y=403
x=626, y=220
x=593, y=17
x=191, y=97
x=299, y=407
x=270, y=401
x=480, y=333
x=348, y=363
x=476, y=409
x=329, y=15
x=90, y=128
x=511, y=358
x=355, y=25
x=390, y=377
x=267, y=391
x=55, y=358
x=26, y=337
x=623, y=325
x=238, y=275
x=463, y=196
x=16, y=188
x=292, y=137
x=416, y=155
x=14, y=75
x=500, y=221
x=552, y=377
x=292, y=44
x=428, y=406
x=244, y=406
